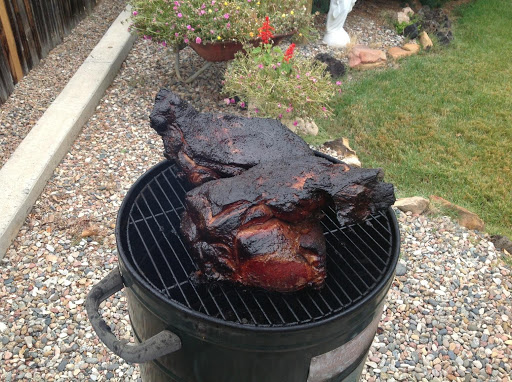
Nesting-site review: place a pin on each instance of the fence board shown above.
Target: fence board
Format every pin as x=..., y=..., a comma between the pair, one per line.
x=29, y=29
x=9, y=46
x=6, y=80
x=29, y=50
x=33, y=29
x=41, y=28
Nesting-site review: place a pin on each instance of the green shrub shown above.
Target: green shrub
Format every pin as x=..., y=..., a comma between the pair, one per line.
x=279, y=85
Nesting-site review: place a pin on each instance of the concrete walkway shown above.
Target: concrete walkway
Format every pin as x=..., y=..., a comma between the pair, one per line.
x=24, y=175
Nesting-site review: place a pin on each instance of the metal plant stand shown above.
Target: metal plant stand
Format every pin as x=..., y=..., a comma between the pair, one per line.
x=193, y=76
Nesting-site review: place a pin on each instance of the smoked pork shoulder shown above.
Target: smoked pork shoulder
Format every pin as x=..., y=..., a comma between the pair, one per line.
x=262, y=228
x=209, y=146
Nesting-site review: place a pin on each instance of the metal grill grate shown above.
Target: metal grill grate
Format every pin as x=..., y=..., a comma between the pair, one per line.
x=358, y=258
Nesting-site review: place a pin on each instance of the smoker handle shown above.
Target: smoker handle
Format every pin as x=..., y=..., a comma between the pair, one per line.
x=157, y=346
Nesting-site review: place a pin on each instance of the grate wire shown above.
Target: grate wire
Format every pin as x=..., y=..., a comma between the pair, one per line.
x=358, y=256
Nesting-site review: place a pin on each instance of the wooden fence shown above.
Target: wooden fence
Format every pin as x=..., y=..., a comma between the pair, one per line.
x=29, y=29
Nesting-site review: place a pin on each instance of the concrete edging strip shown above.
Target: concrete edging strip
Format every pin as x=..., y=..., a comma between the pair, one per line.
x=24, y=176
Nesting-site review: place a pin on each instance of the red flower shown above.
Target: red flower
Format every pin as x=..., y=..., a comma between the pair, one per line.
x=266, y=31
x=289, y=52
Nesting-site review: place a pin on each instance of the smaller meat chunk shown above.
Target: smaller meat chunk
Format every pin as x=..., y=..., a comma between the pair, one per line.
x=209, y=146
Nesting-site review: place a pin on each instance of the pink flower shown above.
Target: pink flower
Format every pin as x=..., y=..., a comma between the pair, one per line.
x=176, y=34
x=314, y=80
x=256, y=111
x=180, y=15
x=213, y=2
x=298, y=76
x=202, y=12
x=135, y=13
x=260, y=66
x=278, y=105
x=232, y=100
x=185, y=40
x=280, y=116
x=228, y=25
x=164, y=43
x=338, y=83
x=324, y=108
x=242, y=104
x=227, y=101
x=189, y=27
x=226, y=16
x=295, y=123
x=288, y=109
x=198, y=40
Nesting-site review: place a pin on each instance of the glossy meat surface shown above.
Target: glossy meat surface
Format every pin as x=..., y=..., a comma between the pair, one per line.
x=209, y=146
x=262, y=228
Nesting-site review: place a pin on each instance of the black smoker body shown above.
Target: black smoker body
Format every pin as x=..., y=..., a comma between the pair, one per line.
x=220, y=333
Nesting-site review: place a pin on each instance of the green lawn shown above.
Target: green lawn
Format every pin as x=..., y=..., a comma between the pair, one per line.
x=442, y=122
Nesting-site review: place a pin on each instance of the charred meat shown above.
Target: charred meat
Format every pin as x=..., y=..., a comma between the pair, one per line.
x=210, y=146
x=262, y=228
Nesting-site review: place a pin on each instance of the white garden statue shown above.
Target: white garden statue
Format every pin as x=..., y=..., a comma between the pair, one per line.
x=336, y=36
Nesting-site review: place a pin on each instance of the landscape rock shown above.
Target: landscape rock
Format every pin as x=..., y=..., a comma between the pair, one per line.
x=362, y=56
x=397, y=53
x=416, y=204
x=334, y=66
x=301, y=126
x=465, y=218
x=345, y=153
x=401, y=269
x=425, y=41
x=444, y=37
x=502, y=243
x=402, y=17
x=408, y=11
x=411, y=47
x=411, y=31
x=436, y=23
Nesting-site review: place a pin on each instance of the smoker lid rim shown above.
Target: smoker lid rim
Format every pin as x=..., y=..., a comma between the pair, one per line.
x=123, y=209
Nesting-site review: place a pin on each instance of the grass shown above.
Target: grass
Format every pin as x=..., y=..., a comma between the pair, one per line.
x=442, y=122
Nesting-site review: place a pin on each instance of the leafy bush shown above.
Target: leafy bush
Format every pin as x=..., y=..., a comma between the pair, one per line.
x=279, y=85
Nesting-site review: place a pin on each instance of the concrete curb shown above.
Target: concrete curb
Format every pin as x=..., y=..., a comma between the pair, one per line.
x=24, y=176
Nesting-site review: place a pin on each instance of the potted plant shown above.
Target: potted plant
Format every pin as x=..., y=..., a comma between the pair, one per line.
x=282, y=85
x=215, y=22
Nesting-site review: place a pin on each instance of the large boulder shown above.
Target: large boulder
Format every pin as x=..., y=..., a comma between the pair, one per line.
x=425, y=41
x=436, y=23
x=416, y=205
x=411, y=31
x=409, y=49
x=343, y=151
x=465, y=218
x=362, y=57
x=334, y=66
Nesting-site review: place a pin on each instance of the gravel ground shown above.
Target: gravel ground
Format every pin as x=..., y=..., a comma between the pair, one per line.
x=447, y=315
x=36, y=91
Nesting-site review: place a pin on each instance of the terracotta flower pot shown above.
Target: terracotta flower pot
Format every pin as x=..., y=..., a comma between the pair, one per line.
x=225, y=51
